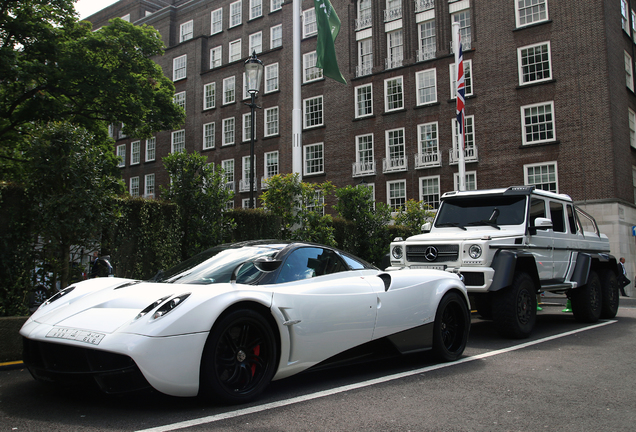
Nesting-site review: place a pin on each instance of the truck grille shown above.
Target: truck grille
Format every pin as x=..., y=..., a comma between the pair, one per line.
x=432, y=253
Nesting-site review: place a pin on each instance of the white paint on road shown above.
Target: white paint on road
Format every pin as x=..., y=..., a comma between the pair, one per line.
x=287, y=402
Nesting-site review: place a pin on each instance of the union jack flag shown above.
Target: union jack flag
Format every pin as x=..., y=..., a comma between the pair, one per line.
x=461, y=90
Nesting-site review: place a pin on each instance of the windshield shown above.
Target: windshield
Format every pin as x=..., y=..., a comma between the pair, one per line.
x=485, y=210
x=216, y=265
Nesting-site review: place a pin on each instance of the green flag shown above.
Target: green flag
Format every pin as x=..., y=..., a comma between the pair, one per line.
x=328, y=28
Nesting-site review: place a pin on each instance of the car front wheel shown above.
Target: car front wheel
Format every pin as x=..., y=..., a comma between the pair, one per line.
x=515, y=308
x=239, y=358
x=452, y=324
x=587, y=300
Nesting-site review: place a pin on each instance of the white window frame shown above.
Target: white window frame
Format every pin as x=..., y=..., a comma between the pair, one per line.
x=135, y=152
x=364, y=100
x=314, y=165
x=526, y=176
x=423, y=80
x=310, y=25
x=179, y=67
x=428, y=140
x=256, y=9
x=390, y=197
x=246, y=171
x=469, y=133
x=247, y=126
x=272, y=121
x=399, y=101
x=216, y=57
x=313, y=117
x=209, y=131
x=395, y=139
x=426, y=40
x=209, y=96
x=256, y=43
x=177, y=141
x=271, y=164
x=228, y=173
x=271, y=78
x=365, y=57
x=470, y=178
x=631, y=115
x=465, y=27
x=542, y=62
x=629, y=71
x=121, y=153
x=234, y=53
x=430, y=189
x=229, y=90
x=276, y=36
x=365, y=154
x=525, y=126
x=523, y=21
x=236, y=14
x=151, y=149
x=216, y=21
x=149, y=186
x=276, y=5
x=186, y=31
x=134, y=186
x=395, y=48
x=468, y=79
x=229, y=131
x=180, y=99
x=311, y=72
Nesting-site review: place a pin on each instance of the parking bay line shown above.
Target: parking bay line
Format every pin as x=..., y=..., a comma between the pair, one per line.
x=342, y=389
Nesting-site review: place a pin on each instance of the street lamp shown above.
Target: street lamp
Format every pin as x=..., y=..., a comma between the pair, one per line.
x=253, y=74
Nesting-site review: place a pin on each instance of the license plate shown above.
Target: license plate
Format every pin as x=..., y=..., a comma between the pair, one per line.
x=76, y=335
x=430, y=267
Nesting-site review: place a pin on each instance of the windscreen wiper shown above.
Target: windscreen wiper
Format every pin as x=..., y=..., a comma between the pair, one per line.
x=450, y=224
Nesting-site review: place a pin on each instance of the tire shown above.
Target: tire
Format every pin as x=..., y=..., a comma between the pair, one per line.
x=483, y=304
x=452, y=324
x=40, y=295
x=609, y=294
x=515, y=308
x=587, y=300
x=239, y=358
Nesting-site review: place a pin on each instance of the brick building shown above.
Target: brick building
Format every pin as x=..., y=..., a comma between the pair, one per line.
x=550, y=98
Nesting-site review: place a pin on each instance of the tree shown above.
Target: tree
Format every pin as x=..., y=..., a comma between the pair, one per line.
x=198, y=188
x=72, y=175
x=413, y=215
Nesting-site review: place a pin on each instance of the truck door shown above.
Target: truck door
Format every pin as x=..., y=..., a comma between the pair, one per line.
x=541, y=243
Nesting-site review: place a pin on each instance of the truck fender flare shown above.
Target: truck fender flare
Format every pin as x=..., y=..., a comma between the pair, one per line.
x=584, y=262
x=505, y=265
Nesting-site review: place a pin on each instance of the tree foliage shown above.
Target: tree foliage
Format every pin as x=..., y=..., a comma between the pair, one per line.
x=198, y=188
x=413, y=215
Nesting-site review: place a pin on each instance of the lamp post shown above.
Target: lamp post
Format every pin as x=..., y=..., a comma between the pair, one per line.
x=253, y=74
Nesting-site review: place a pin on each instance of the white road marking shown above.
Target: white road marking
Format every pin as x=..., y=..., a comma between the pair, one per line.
x=287, y=402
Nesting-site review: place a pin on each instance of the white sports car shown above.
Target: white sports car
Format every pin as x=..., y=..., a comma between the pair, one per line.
x=231, y=319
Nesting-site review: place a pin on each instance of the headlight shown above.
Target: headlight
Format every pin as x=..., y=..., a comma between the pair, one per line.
x=170, y=305
x=397, y=252
x=474, y=251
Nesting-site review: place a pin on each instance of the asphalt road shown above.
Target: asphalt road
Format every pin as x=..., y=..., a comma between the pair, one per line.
x=567, y=377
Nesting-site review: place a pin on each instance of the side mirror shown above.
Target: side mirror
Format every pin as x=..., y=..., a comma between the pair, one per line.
x=540, y=223
x=426, y=228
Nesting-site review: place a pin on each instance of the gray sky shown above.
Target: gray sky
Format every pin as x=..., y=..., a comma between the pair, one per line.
x=86, y=8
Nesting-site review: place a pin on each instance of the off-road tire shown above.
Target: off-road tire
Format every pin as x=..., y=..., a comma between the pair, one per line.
x=587, y=300
x=515, y=308
x=609, y=294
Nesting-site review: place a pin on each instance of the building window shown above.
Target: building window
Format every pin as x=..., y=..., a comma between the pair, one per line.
x=429, y=191
x=312, y=114
x=364, y=155
x=229, y=90
x=186, y=31
x=215, y=57
x=180, y=99
x=463, y=18
x=245, y=186
x=538, y=123
x=426, y=82
x=208, y=135
x=393, y=94
x=629, y=72
x=427, y=146
x=247, y=126
x=469, y=139
x=178, y=141
x=427, y=42
x=209, y=96
x=364, y=100
x=217, y=21
x=271, y=78
x=364, y=15
x=632, y=127
x=624, y=16
x=228, y=131
x=311, y=72
x=271, y=164
x=365, y=57
x=149, y=184
x=276, y=5
x=468, y=79
x=395, y=151
x=542, y=175
x=276, y=36
x=395, y=43
x=151, y=145
x=236, y=13
x=470, y=180
x=310, y=27
x=256, y=9
x=179, y=67
x=134, y=186
x=228, y=173
x=121, y=153
x=135, y=152
x=534, y=63
x=531, y=11
x=271, y=121
x=256, y=43
x=396, y=194
x=314, y=159
x=235, y=50
x=393, y=10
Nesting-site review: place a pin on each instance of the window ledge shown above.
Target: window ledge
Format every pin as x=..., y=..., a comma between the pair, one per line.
x=548, y=143
x=534, y=84
x=548, y=21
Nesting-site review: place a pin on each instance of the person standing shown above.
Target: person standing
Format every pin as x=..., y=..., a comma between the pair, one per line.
x=623, y=281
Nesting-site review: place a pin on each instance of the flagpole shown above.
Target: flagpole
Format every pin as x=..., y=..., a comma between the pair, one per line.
x=297, y=82
x=461, y=125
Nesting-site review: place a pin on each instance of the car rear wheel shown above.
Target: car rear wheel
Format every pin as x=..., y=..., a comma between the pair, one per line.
x=587, y=300
x=239, y=358
x=452, y=324
x=609, y=294
x=515, y=308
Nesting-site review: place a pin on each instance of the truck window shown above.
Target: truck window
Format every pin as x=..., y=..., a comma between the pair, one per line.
x=482, y=210
x=537, y=209
x=571, y=219
x=556, y=214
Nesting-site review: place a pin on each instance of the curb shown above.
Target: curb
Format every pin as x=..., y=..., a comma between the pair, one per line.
x=12, y=365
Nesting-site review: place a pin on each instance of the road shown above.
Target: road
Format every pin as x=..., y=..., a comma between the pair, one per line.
x=567, y=377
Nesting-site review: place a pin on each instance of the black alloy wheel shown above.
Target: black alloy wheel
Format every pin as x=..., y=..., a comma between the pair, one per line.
x=452, y=324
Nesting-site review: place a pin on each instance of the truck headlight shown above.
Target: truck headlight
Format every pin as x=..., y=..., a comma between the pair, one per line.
x=474, y=251
x=397, y=252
